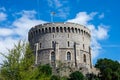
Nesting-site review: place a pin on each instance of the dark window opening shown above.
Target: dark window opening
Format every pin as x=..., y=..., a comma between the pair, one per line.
x=50, y=29
x=84, y=58
x=40, y=45
x=83, y=46
x=53, y=56
x=65, y=29
x=53, y=29
x=61, y=30
x=68, y=29
x=68, y=56
x=57, y=29
x=68, y=43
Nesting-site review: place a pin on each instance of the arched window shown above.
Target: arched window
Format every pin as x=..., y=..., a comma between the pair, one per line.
x=42, y=30
x=53, y=56
x=50, y=29
x=53, y=29
x=65, y=29
x=68, y=56
x=61, y=30
x=68, y=29
x=82, y=32
x=72, y=29
x=46, y=30
x=57, y=29
x=39, y=31
x=79, y=30
x=84, y=58
x=76, y=30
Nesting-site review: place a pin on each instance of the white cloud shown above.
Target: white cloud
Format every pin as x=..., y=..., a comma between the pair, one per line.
x=6, y=32
x=61, y=7
x=5, y=44
x=19, y=27
x=54, y=3
x=83, y=18
x=3, y=16
x=99, y=32
x=25, y=22
x=63, y=13
x=57, y=3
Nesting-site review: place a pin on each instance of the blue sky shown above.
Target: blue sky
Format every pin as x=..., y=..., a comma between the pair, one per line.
x=100, y=16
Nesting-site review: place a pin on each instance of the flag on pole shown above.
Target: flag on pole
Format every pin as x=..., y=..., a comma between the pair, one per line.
x=53, y=13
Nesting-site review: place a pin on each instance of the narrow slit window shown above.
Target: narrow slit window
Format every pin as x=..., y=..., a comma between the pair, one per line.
x=68, y=44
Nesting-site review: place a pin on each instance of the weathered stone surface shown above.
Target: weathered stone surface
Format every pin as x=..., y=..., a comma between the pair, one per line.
x=62, y=38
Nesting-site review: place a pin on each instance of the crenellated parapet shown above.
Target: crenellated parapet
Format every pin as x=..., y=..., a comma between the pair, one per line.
x=59, y=28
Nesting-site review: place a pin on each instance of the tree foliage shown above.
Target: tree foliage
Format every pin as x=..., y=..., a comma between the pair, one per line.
x=46, y=69
x=76, y=76
x=110, y=70
x=19, y=65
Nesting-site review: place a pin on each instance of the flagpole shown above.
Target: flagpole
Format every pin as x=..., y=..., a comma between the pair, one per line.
x=52, y=15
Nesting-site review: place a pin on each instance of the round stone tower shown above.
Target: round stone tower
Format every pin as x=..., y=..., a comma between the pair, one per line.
x=66, y=42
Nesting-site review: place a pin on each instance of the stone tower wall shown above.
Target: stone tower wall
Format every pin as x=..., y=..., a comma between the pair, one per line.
x=61, y=38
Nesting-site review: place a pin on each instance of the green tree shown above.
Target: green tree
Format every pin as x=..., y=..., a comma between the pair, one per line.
x=109, y=69
x=19, y=65
x=76, y=76
x=11, y=68
x=55, y=77
x=46, y=69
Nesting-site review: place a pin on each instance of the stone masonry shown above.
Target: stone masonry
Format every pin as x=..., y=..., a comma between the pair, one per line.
x=58, y=43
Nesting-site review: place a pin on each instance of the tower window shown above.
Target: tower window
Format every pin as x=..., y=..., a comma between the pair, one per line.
x=72, y=29
x=68, y=43
x=42, y=30
x=79, y=30
x=53, y=56
x=40, y=45
x=84, y=59
x=83, y=46
x=50, y=29
x=52, y=43
x=61, y=30
x=65, y=29
x=39, y=31
x=68, y=29
x=57, y=29
x=76, y=30
x=46, y=30
x=68, y=56
x=53, y=29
